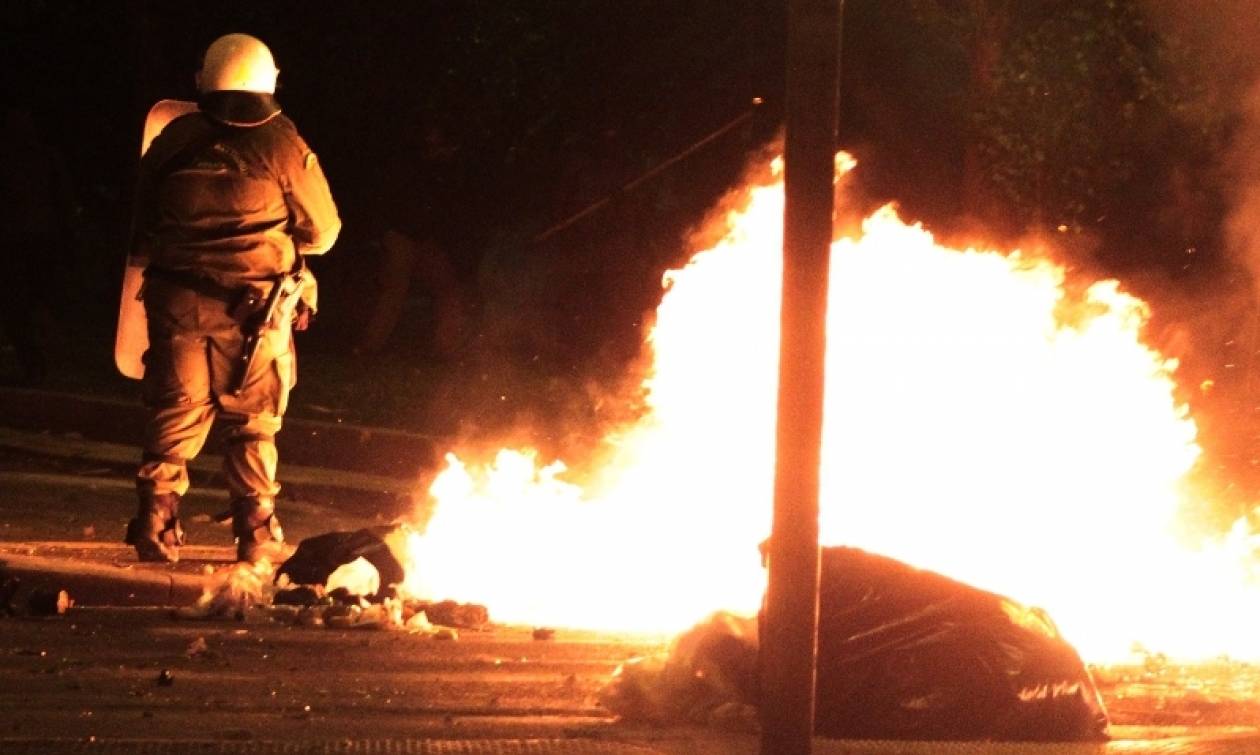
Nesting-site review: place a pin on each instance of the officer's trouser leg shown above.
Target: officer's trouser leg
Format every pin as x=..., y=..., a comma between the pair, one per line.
x=181, y=411
x=249, y=466
x=252, y=418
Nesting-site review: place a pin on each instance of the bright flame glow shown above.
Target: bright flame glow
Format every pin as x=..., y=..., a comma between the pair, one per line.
x=980, y=422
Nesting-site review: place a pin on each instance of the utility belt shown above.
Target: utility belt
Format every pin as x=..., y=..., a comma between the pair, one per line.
x=201, y=284
x=243, y=302
x=295, y=299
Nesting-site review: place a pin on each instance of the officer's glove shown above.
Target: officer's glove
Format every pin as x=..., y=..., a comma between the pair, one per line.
x=303, y=316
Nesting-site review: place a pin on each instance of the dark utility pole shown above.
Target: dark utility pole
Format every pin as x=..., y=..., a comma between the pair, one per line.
x=790, y=641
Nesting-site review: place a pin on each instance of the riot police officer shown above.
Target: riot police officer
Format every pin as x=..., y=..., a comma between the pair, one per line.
x=229, y=199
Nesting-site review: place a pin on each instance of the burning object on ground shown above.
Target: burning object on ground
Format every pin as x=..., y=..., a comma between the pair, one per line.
x=350, y=580
x=318, y=558
x=902, y=654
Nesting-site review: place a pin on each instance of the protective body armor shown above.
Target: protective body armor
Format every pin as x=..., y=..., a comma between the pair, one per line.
x=232, y=193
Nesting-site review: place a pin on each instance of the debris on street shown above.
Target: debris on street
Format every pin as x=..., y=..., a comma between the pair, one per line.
x=707, y=669
x=197, y=647
x=48, y=602
x=451, y=614
x=231, y=591
x=318, y=559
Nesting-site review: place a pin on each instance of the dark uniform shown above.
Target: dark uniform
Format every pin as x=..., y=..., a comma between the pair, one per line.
x=229, y=199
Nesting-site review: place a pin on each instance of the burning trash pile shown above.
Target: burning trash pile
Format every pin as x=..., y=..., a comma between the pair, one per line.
x=339, y=580
x=902, y=654
x=988, y=413
x=992, y=418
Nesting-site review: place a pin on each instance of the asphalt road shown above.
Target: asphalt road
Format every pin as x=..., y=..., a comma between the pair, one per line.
x=141, y=674
x=112, y=680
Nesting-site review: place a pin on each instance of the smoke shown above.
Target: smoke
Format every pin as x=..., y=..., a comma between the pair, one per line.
x=1222, y=32
x=1217, y=45
x=1242, y=224
x=1209, y=204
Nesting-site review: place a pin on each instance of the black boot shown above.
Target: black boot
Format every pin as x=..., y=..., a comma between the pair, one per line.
x=257, y=531
x=155, y=532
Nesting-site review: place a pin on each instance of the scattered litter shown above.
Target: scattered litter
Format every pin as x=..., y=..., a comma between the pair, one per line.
x=298, y=596
x=231, y=591
x=359, y=577
x=311, y=617
x=448, y=613
x=47, y=602
x=375, y=616
x=341, y=616
x=197, y=647
x=343, y=596
x=707, y=667
x=419, y=622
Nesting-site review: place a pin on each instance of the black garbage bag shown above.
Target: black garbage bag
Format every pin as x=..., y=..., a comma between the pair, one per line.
x=909, y=654
x=316, y=558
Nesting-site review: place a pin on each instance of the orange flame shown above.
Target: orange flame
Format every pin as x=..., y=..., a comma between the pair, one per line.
x=980, y=422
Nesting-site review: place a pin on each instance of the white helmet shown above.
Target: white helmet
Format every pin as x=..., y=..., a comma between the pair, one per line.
x=237, y=62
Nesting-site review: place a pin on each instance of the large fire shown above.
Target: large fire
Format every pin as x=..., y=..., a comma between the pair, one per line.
x=981, y=422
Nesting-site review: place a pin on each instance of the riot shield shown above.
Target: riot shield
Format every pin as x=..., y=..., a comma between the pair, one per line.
x=131, y=339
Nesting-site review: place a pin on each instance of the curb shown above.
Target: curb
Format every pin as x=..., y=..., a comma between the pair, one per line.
x=91, y=584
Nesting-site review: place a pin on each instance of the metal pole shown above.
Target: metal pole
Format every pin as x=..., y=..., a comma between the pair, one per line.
x=790, y=640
